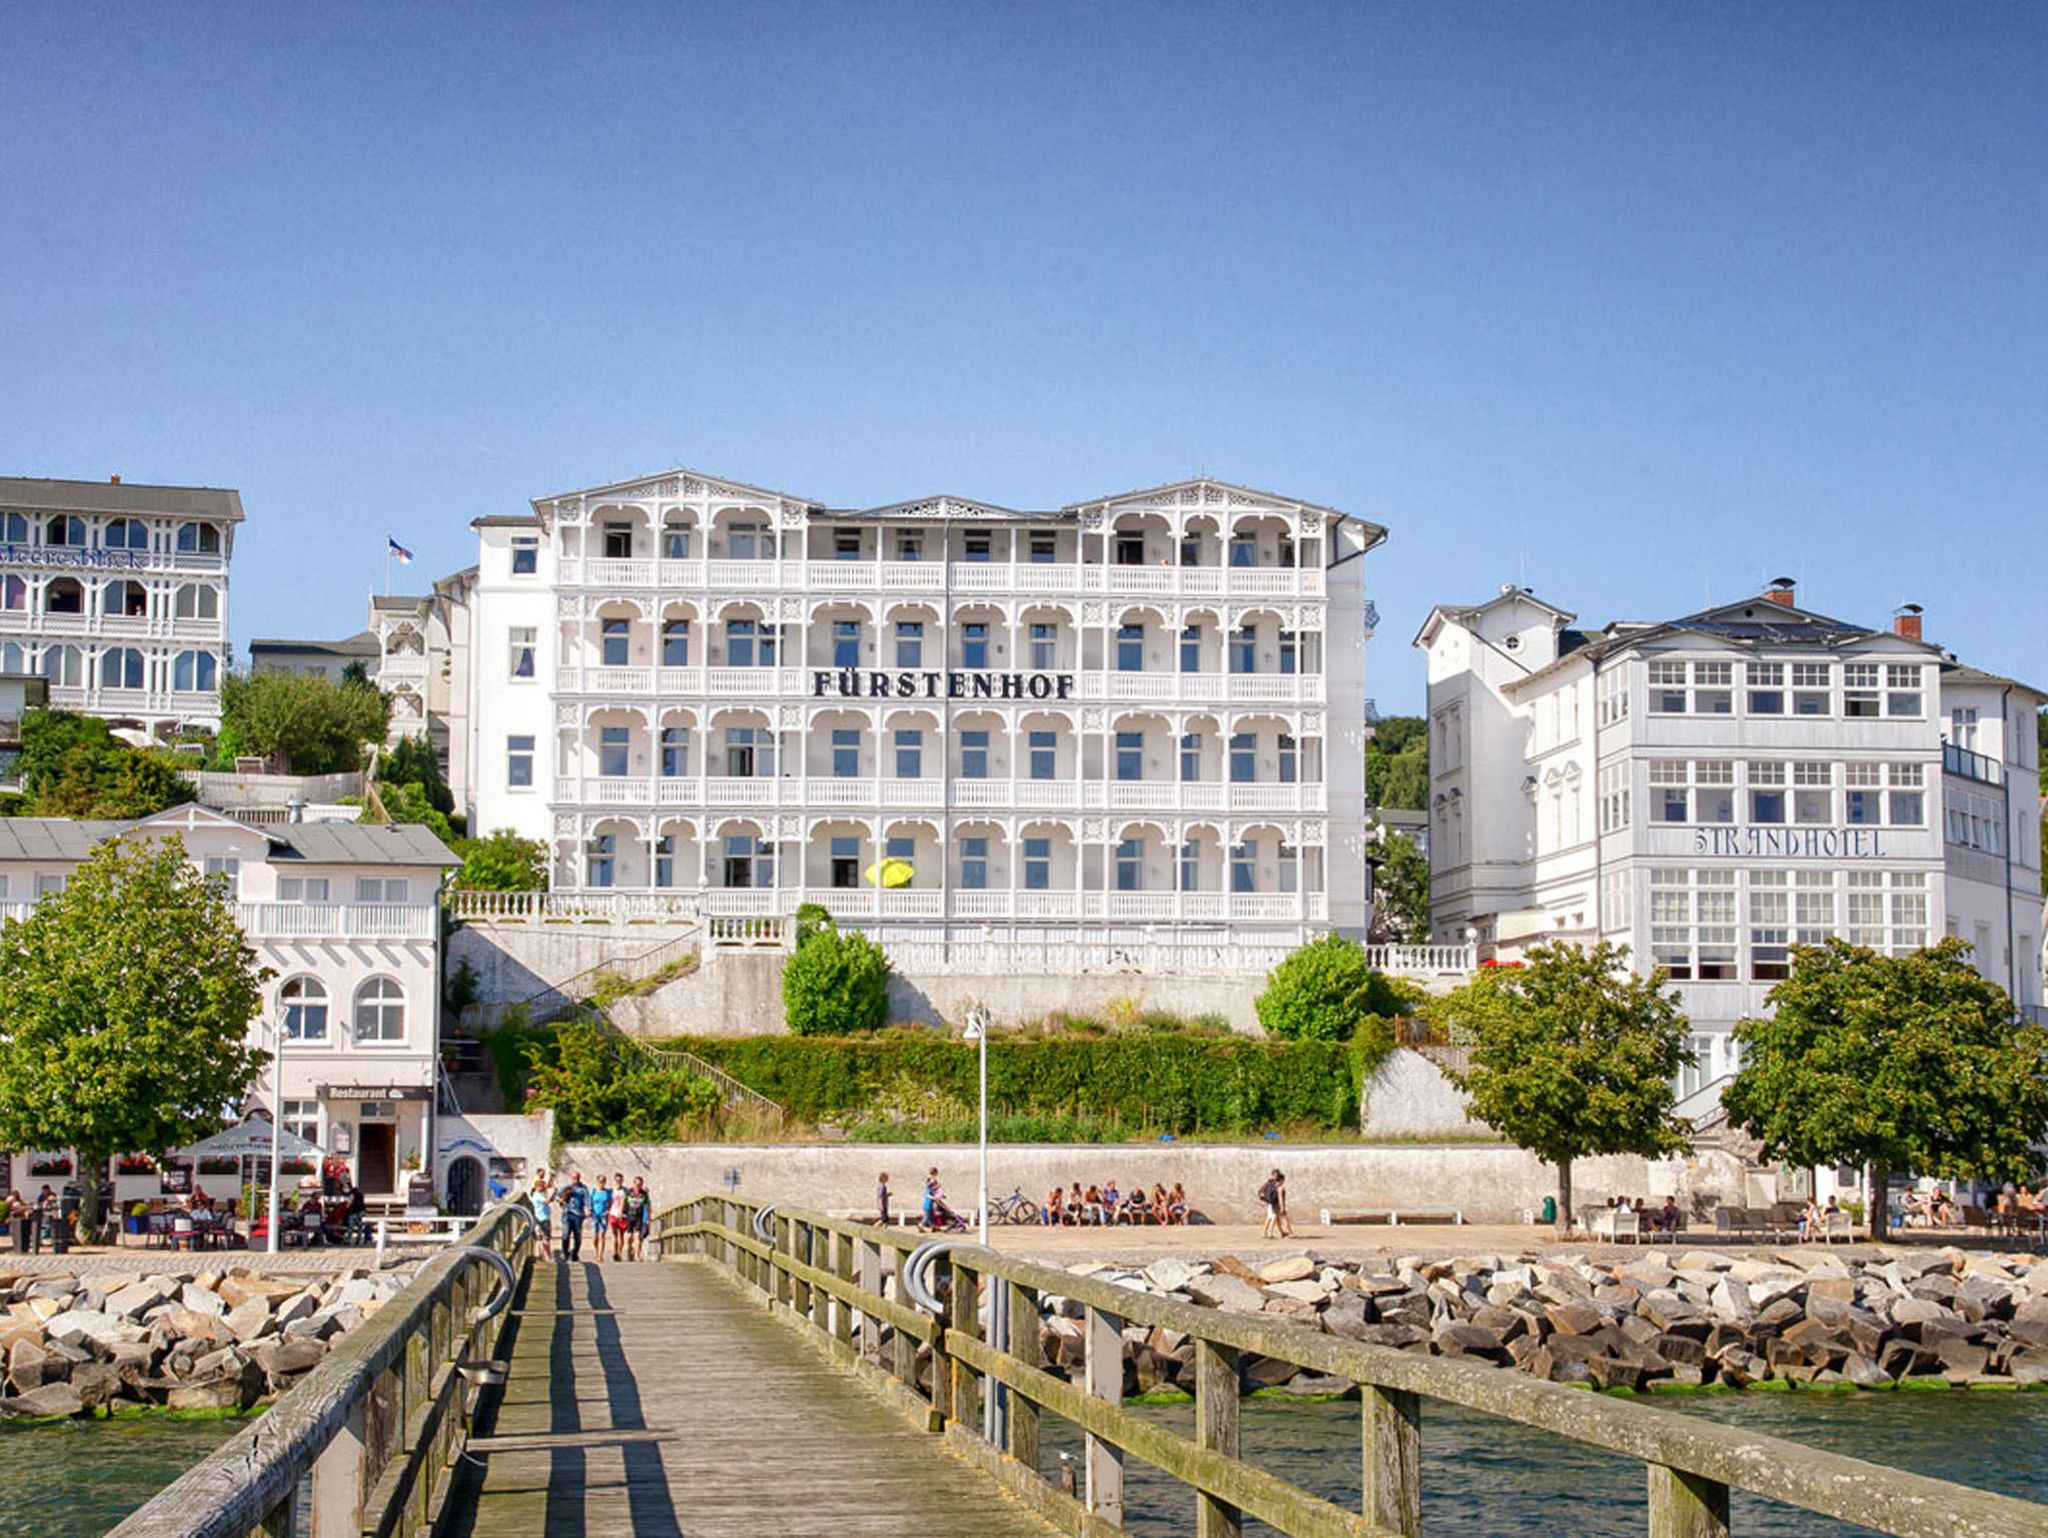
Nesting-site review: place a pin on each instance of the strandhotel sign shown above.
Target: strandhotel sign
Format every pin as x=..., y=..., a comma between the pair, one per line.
x=876, y=683
x=1791, y=843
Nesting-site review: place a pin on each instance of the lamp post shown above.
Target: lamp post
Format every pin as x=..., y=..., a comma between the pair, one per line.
x=977, y=1032
x=276, y=1142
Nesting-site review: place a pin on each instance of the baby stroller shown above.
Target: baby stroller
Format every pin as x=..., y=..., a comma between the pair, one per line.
x=941, y=1219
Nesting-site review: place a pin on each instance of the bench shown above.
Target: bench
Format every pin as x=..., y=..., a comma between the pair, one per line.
x=1393, y=1217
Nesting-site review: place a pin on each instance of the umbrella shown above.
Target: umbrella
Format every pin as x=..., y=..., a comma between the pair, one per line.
x=251, y=1140
x=892, y=872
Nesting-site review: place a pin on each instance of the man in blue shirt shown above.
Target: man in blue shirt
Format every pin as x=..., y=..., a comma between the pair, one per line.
x=575, y=1208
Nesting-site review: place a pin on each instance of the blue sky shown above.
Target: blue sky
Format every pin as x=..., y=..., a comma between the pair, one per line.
x=1640, y=305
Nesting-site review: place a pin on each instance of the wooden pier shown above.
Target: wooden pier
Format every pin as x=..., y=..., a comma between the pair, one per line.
x=787, y=1372
x=656, y=1400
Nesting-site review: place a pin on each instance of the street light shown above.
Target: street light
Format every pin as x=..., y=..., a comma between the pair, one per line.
x=276, y=1136
x=977, y=1032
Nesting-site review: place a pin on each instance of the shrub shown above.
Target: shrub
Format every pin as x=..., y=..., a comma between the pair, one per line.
x=604, y=1091
x=1137, y=1080
x=835, y=982
x=1325, y=991
x=503, y=862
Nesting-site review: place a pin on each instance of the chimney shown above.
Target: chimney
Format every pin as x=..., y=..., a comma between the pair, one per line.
x=1906, y=621
x=295, y=809
x=1783, y=590
x=113, y=480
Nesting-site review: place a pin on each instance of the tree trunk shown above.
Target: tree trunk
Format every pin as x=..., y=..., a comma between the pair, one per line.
x=1880, y=1220
x=92, y=1179
x=1564, y=1198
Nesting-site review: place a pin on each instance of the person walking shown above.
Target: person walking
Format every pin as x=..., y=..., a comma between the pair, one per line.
x=617, y=1212
x=600, y=1213
x=1273, y=1197
x=575, y=1208
x=542, y=1198
x=882, y=1199
x=639, y=1217
x=18, y=1213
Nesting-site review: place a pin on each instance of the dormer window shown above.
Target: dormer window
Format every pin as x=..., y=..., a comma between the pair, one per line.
x=198, y=539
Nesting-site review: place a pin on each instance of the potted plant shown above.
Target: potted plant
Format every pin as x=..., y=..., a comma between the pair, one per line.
x=137, y=1220
x=135, y=1164
x=50, y=1164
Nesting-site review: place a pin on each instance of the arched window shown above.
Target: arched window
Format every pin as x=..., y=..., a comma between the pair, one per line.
x=13, y=529
x=125, y=598
x=195, y=672
x=13, y=593
x=64, y=666
x=64, y=595
x=65, y=530
x=198, y=539
x=304, y=1003
x=380, y=1010
x=196, y=600
x=121, y=668
x=125, y=534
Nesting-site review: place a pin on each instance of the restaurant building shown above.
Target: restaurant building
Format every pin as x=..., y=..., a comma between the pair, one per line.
x=1140, y=715
x=346, y=915
x=1713, y=790
x=117, y=596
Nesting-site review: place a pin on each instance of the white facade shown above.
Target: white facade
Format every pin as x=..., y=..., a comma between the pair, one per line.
x=1713, y=790
x=423, y=665
x=118, y=596
x=347, y=917
x=1144, y=710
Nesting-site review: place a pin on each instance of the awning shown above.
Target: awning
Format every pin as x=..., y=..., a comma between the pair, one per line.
x=251, y=1140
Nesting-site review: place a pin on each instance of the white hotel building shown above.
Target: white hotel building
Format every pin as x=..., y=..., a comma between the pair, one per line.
x=1713, y=790
x=117, y=595
x=1136, y=716
x=347, y=917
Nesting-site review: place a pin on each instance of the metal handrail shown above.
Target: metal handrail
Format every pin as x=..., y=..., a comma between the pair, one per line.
x=808, y=1273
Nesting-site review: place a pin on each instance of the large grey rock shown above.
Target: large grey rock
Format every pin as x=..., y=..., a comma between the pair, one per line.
x=82, y=1324
x=50, y=1399
x=134, y=1301
x=1731, y=1301
x=1173, y=1274
x=248, y=1319
x=201, y=1300
x=302, y=1305
x=1227, y=1292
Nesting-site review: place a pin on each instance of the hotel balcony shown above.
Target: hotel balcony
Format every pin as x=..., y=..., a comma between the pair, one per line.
x=986, y=577
x=142, y=627
x=314, y=921
x=1004, y=906
x=189, y=705
x=958, y=795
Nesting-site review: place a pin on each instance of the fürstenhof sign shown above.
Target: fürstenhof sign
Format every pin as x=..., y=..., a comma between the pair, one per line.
x=1791, y=843
x=875, y=683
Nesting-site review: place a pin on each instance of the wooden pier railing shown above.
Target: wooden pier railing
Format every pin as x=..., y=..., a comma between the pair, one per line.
x=844, y=1284
x=377, y=1425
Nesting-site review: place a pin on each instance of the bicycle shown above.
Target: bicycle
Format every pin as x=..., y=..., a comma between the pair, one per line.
x=1014, y=1208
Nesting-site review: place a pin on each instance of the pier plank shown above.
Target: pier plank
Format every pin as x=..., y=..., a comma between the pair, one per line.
x=657, y=1400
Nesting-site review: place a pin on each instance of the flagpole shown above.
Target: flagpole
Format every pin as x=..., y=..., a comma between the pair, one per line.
x=387, y=568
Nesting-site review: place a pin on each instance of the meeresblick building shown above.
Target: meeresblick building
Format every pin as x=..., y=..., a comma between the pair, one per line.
x=1134, y=719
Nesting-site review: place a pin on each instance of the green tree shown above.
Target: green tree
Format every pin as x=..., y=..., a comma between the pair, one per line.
x=1400, y=892
x=125, y=1016
x=1893, y=1063
x=301, y=722
x=1397, y=763
x=604, y=1089
x=73, y=766
x=1571, y=1055
x=413, y=761
x=835, y=982
x=503, y=862
x=1326, y=991
x=409, y=803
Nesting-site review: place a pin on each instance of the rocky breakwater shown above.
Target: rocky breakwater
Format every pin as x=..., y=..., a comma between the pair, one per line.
x=1660, y=1320
x=192, y=1340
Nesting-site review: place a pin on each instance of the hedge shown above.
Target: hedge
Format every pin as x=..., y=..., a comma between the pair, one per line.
x=1157, y=1082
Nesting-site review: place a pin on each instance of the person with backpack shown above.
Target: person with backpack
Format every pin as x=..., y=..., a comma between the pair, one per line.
x=1273, y=1197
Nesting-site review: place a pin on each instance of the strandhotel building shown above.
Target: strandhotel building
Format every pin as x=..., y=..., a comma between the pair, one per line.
x=1135, y=719
x=1713, y=790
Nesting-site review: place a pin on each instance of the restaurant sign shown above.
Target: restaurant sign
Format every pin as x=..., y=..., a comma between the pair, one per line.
x=373, y=1092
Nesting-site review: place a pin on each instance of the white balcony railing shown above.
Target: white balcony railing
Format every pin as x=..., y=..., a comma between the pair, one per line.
x=833, y=576
x=337, y=921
